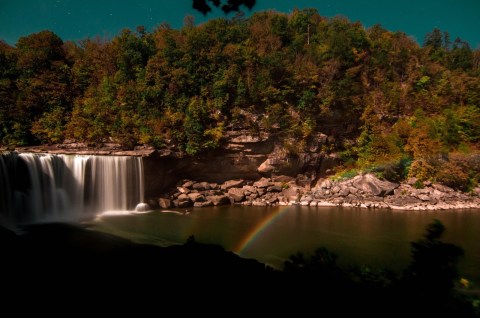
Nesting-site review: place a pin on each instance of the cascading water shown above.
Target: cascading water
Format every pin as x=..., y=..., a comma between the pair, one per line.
x=45, y=187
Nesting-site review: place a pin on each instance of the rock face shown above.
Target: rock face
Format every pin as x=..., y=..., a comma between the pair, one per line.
x=244, y=156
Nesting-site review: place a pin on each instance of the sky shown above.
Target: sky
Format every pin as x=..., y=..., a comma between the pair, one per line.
x=79, y=19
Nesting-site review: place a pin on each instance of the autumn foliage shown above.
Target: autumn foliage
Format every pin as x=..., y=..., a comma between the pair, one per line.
x=378, y=94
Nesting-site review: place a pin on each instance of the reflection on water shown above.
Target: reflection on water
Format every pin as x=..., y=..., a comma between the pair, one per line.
x=372, y=237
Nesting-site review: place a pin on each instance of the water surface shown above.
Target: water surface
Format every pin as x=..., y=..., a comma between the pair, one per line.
x=379, y=238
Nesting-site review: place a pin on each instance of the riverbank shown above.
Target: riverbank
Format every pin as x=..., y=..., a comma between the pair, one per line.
x=364, y=191
x=246, y=174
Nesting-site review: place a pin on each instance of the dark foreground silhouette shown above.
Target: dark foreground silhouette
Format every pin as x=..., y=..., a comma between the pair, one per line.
x=68, y=259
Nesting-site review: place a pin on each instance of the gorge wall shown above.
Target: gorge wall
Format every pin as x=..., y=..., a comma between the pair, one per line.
x=243, y=156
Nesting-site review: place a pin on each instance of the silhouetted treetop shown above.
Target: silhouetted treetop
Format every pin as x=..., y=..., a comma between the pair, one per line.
x=231, y=5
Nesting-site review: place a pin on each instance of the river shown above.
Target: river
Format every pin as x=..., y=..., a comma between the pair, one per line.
x=378, y=238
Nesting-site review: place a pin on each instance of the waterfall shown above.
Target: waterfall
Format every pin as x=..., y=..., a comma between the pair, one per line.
x=46, y=187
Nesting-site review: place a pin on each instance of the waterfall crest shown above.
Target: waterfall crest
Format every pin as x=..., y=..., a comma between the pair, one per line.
x=46, y=187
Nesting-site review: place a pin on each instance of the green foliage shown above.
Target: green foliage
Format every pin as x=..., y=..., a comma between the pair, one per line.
x=292, y=75
x=422, y=170
x=349, y=174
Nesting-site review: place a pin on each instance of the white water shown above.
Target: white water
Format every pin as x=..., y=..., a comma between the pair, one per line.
x=44, y=187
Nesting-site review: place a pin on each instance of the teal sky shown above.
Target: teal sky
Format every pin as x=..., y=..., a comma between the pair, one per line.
x=78, y=19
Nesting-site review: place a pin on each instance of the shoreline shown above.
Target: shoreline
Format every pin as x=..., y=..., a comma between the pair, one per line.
x=363, y=191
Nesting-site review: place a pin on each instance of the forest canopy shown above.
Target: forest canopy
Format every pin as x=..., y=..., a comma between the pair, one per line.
x=381, y=96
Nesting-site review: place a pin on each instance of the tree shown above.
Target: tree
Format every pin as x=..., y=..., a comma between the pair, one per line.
x=461, y=55
x=434, y=39
x=435, y=264
x=231, y=5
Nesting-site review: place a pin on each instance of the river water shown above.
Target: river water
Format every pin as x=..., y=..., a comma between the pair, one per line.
x=378, y=238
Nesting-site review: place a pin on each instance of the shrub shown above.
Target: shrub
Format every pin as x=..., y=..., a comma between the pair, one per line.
x=422, y=170
x=454, y=176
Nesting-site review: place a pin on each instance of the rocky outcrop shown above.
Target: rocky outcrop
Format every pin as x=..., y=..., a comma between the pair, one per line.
x=371, y=185
x=277, y=177
x=243, y=156
x=364, y=191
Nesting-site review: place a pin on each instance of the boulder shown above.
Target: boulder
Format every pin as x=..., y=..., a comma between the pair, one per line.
x=266, y=167
x=344, y=192
x=201, y=186
x=262, y=183
x=218, y=199
x=423, y=197
x=164, y=203
x=372, y=185
x=259, y=203
x=183, y=190
x=336, y=189
x=303, y=181
x=442, y=188
x=187, y=184
x=292, y=193
x=196, y=197
x=272, y=200
x=183, y=201
x=249, y=189
x=232, y=184
x=326, y=184
x=261, y=191
x=237, y=194
x=274, y=188
x=202, y=204
x=283, y=179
